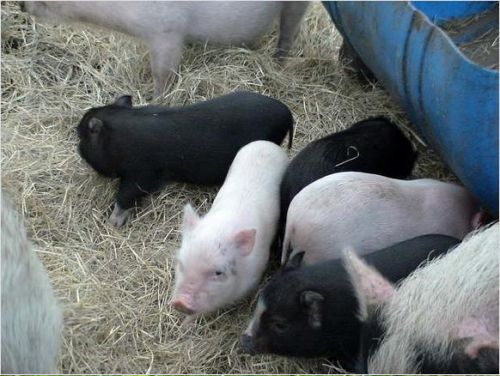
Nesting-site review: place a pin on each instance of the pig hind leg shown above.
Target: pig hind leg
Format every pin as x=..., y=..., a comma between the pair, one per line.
x=291, y=15
x=165, y=57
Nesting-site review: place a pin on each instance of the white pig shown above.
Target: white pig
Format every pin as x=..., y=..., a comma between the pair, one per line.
x=31, y=316
x=224, y=253
x=368, y=212
x=442, y=319
x=166, y=25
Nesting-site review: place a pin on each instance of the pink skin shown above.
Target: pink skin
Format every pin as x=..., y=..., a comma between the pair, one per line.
x=369, y=212
x=182, y=303
x=224, y=253
x=211, y=279
x=165, y=26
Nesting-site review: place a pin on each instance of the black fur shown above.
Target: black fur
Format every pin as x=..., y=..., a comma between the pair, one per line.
x=285, y=327
x=372, y=332
x=147, y=147
x=381, y=147
x=458, y=362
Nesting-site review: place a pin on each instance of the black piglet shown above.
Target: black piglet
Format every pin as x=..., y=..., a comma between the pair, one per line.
x=147, y=147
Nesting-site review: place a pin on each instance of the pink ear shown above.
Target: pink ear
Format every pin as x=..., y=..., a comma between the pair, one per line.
x=370, y=286
x=191, y=218
x=481, y=331
x=244, y=241
x=479, y=219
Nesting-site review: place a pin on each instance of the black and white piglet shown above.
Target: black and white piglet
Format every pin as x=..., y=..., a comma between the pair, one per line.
x=374, y=145
x=147, y=147
x=443, y=318
x=312, y=310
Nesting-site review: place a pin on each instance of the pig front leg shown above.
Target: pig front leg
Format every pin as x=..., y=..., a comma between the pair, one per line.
x=129, y=192
x=119, y=216
x=290, y=18
x=165, y=57
x=189, y=321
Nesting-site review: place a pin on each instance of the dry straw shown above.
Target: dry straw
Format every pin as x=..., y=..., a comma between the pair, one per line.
x=115, y=284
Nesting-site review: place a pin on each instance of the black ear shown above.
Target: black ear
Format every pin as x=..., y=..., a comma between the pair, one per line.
x=95, y=125
x=312, y=302
x=295, y=261
x=124, y=101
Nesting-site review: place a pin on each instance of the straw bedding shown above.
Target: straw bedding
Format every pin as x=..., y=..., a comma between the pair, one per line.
x=115, y=283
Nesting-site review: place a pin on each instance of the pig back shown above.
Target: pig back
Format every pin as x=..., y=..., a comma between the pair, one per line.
x=254, y=178
x=240, y=117
x=395, y=262
x=370, y=212
x=399, y=260
x=210, y=133
x=374, y=145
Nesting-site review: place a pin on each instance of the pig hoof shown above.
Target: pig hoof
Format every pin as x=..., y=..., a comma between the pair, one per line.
x=188, y=322
x=280, y=57
x=119, y=216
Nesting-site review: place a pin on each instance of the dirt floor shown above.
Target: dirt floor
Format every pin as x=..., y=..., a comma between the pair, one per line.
x=115, y=283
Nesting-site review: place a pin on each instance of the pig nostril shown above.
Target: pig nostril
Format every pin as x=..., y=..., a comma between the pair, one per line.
x=247, y=343
x=181, y=306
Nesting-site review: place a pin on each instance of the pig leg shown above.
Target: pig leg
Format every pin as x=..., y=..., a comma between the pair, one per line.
x=290, y=18
x=165, y=56
x=119, y=216
x=188, y=321
x=129, y=192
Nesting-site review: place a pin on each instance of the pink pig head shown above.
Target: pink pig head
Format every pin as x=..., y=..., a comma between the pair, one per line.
x=209, y=264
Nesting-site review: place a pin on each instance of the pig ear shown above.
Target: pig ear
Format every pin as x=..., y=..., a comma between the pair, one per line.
x=95, y=125
x=481, y=218
x=312, y=301
x=191, y=218
x=371, y=288
x=295, y=261
x=124, y=101
x=245, y=240
x=482, y=347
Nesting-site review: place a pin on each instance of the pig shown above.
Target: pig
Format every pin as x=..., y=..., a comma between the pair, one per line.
x=374, y=145
x=443, y=318
x=165, y=26
x=149, y=146
x=223, y=254
x=31, y=315
x=311, y=311
x=369, y=212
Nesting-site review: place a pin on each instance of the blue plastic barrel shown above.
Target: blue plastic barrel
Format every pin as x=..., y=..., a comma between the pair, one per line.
x=451, y=100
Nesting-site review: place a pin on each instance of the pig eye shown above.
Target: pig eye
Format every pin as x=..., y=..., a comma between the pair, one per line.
x=219, y=273
x=279, y=326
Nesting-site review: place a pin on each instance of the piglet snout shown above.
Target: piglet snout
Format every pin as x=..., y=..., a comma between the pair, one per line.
x=181, y=305
x=248, y=345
